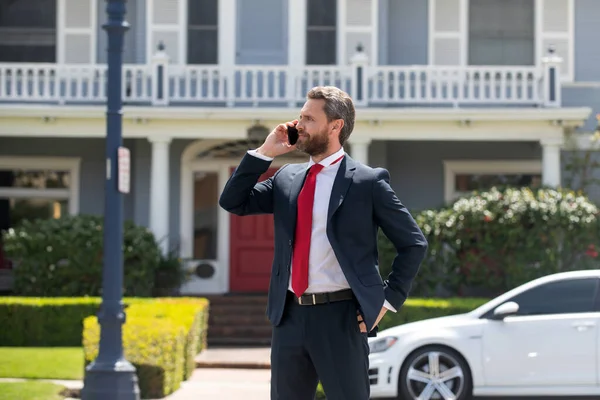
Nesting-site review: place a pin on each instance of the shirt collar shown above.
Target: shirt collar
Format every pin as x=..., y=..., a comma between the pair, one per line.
x=326, y=162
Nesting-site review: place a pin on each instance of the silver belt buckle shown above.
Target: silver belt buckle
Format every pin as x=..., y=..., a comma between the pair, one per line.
x=314, y=300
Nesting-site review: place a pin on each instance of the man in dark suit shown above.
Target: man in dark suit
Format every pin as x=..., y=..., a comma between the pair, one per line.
x=326, y=294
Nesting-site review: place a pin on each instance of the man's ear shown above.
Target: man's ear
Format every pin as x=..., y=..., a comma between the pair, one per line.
x=339, y=124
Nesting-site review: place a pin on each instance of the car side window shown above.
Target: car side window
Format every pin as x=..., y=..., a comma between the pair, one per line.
x=562, y=297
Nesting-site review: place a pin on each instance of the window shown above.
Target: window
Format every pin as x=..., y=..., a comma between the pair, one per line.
x=501, y=32
x=562, y=297
x=206, y=188
x=32, y=188
x=28, y=31
x=203, y=32
x=321, y=35
x=463, y=177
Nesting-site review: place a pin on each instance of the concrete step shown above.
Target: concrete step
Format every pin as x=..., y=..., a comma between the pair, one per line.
x=239, y=319
x=238, y=299
x=238, y=342
x=238, y=309
x=240, y=331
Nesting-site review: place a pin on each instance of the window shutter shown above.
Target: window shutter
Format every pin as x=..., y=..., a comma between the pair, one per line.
x=359, y=27
x=447, y=32
x=555, y=28
x=77, y=25
x=166, y=25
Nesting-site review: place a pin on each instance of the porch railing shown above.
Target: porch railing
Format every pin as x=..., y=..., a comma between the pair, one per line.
x=162, y=83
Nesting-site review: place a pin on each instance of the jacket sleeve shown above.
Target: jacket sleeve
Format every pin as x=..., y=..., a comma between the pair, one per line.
x=399, y=226
x=243, y=194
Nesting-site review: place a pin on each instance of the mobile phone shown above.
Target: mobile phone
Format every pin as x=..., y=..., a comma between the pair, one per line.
x=292, y=135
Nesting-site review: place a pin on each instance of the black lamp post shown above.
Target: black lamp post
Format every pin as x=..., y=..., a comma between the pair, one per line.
x=111, y=376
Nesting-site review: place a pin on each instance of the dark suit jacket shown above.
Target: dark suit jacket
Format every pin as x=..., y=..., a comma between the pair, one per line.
x=361, y=202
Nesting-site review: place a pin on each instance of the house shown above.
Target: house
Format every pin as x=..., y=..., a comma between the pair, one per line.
x=451, y=95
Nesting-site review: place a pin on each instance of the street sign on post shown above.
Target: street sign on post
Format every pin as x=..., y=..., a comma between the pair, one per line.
x=124, y=173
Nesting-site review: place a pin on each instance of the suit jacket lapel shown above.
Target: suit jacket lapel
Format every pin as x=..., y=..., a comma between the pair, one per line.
x=342, y=183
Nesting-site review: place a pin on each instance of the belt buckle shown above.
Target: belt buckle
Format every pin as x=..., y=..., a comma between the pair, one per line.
x=314, y=300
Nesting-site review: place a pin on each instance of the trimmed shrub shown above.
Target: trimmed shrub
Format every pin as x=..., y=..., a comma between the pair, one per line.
x=189, y=313
x=490, y=242
x=63, y=257
x=155, y=347
x=159, y=374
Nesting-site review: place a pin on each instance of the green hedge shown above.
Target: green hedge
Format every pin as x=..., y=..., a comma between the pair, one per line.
x=489, y=242
x=64, y=257
x=420, y=309
x=56, y=321
x=40, y=322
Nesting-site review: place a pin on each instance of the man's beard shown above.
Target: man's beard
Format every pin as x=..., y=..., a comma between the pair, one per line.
x=314, y=144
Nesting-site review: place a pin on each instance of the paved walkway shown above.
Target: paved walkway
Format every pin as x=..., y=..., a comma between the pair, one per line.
x=225, y=384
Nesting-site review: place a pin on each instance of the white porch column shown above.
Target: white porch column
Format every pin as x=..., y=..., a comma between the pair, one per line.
x=159, y=191
x=551, y=165
x=359, y=149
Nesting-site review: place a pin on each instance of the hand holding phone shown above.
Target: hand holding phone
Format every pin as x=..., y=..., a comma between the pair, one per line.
x=292, y=133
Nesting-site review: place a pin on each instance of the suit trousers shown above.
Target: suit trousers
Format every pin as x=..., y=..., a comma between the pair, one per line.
x=319, y=342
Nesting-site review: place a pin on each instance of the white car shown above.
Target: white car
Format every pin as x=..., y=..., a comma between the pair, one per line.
x=539, y=339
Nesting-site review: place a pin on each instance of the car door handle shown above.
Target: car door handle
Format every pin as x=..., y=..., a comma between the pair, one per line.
x=582, y=326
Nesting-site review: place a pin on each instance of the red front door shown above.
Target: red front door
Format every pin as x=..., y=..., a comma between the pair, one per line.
x=251, y=250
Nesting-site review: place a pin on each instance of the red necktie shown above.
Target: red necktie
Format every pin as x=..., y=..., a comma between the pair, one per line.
x=304, y=230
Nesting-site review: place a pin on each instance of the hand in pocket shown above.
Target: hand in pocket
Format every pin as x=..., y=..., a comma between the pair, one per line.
x=361, y=323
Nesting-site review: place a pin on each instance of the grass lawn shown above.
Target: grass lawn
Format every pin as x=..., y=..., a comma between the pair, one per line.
x=41, y=363
x=30, y=391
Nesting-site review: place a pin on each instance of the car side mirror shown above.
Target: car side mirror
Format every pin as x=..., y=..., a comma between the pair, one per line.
x=506, y=309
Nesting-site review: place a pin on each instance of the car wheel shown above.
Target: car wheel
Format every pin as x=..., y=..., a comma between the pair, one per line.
x=435, y=373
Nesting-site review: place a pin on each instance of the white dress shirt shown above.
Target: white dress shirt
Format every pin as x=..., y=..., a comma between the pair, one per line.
x=324, y=271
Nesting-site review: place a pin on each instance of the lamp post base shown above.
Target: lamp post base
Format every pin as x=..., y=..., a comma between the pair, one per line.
x=111, y=381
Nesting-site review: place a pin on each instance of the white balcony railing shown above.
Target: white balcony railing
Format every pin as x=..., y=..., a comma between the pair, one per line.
x=161, y=83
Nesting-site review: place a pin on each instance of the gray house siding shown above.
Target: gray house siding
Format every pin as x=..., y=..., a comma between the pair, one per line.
x=583, y=97
x=587, y=56
x=142, y=158
x=417, y=169
x=403, y=32
x=262, y=32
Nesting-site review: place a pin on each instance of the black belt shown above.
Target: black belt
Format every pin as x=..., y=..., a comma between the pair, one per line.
x=311, y=299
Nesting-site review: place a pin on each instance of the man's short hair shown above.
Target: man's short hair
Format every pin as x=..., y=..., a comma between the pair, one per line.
x=338, y=105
